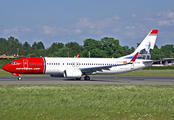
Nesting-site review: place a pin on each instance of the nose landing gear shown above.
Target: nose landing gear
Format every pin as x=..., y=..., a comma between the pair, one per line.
x=19, y=78
x=16, y=74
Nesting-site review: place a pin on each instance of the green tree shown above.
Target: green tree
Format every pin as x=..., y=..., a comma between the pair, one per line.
x=74, y=48
x=14, y=46
x=156, y=53
x=3, y=46
x=31, y=55
x=40, y=45
x=167, y=50
x=94, y=47
x=26, y=48
x=128, y=50
x=54, y=48
x=62, y=52
x=112, y=47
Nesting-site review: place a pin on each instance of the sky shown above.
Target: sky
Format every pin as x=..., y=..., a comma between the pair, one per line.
x=76, y=20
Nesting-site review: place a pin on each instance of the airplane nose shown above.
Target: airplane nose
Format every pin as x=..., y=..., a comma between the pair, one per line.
x=5, y=67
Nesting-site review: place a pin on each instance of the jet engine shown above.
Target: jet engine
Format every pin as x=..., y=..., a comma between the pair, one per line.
x=76, y=73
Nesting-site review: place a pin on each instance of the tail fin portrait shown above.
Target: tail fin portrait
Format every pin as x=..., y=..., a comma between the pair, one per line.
x=145, y=48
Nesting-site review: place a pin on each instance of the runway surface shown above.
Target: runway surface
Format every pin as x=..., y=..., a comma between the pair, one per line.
x=95, y=80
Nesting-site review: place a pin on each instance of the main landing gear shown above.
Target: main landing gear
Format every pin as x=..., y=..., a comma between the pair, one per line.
x=86, y=78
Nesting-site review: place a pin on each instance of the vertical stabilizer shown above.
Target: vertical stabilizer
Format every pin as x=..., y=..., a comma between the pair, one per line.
x=146, y=46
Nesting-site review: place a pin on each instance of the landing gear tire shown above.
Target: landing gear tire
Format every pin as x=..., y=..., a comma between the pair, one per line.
x=87, y=78
x=78, y=78
x=19, y=78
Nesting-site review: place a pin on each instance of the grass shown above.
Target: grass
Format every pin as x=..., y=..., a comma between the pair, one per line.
x=4, y=73
x=134, y=73
x=86, y=102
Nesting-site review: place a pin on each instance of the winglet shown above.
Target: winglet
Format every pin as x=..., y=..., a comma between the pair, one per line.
x=135, y=57
x=78, y=55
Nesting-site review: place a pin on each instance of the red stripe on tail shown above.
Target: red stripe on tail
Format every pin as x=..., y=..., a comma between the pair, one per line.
x=154, y=32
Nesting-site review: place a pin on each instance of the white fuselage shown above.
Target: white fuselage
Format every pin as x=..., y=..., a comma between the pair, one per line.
x=58, y=65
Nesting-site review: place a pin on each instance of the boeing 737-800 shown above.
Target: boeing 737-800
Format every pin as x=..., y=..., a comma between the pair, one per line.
x=78, y=67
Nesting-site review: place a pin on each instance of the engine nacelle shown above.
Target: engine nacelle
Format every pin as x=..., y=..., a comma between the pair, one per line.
x=57, y=75
x=75, y=73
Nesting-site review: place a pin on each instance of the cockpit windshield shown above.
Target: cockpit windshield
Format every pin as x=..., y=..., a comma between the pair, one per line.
x=14, y=63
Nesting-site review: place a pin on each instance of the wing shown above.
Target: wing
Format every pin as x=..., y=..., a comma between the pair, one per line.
x=100, y=68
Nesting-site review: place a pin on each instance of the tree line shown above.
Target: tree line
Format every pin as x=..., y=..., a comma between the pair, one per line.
x=106, y=47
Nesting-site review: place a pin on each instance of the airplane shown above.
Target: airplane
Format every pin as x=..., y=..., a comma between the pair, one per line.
x=79, y=67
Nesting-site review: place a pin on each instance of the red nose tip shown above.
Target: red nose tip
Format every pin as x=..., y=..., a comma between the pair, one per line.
x=5, y=67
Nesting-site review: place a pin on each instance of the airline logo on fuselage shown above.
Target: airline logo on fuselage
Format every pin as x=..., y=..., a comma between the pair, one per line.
x=28, y=68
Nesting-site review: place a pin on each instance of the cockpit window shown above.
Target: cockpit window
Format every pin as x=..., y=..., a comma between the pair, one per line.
x=14, y=63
